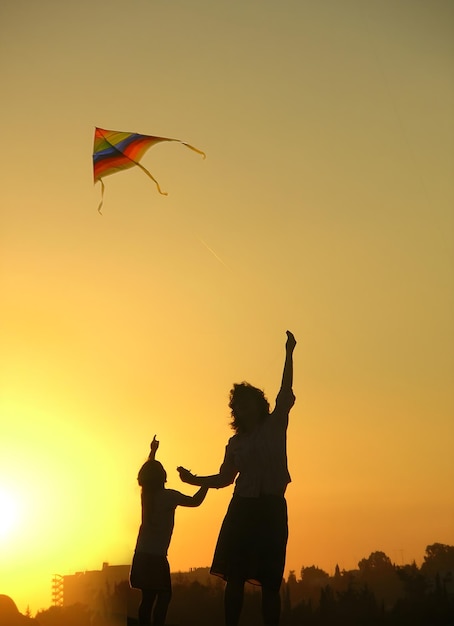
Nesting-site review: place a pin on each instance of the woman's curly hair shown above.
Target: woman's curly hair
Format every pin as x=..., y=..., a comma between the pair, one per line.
x=241, y=392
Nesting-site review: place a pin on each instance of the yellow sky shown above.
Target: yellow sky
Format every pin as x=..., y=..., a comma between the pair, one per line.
x=325, y=206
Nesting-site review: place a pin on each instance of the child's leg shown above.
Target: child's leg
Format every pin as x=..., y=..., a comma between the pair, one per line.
x=161, y=606
x=233, y=601
x=146, y=605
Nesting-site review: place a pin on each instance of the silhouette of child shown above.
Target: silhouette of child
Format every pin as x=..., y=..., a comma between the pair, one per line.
x=150, y=571
x=253, y=538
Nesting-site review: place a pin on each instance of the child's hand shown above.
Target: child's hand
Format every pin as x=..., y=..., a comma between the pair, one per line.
x=154, y=445
x=185, y=475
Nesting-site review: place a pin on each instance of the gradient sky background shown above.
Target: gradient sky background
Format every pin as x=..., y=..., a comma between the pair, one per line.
x=325, y=205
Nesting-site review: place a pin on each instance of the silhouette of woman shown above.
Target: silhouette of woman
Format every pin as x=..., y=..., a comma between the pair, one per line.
x=252, y=542
x=150, y=571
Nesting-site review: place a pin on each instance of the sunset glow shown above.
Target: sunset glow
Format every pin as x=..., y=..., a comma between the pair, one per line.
x=9, y=514
x=324, y=206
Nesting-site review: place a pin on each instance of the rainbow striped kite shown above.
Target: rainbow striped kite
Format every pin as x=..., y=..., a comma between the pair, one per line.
x=115, y=151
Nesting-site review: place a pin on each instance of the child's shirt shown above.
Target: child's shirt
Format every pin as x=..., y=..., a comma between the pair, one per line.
x=158, y=518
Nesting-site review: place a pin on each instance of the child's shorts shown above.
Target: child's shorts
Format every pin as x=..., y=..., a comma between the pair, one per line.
x=150, y=571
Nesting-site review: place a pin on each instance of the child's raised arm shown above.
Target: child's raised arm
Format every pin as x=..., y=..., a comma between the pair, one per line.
x=195, y=500
x=154, y=445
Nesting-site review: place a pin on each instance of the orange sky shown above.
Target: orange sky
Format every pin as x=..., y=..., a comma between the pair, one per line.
x=325, y=206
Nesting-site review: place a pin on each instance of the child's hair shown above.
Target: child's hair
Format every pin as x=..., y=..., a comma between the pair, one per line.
x=152, y=476
x=240, y=393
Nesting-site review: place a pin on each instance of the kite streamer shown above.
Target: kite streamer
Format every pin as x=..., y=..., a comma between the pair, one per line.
x=115, y=151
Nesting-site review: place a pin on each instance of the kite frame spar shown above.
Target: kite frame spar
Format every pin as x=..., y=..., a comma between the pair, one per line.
x=114, y=151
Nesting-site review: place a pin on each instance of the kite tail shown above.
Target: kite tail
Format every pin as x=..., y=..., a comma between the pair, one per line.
x=188, y=145
x=102, y=196
x=144, y=169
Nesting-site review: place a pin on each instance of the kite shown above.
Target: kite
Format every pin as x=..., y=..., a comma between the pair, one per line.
x=114, y=151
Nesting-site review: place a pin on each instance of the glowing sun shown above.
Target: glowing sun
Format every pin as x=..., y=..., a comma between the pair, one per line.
x=9, y=512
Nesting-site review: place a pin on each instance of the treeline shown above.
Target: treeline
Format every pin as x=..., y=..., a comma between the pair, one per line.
x=377, y=593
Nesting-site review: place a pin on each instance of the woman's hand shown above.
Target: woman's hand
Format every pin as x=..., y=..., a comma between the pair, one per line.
x=185, y=475
x=291, y=342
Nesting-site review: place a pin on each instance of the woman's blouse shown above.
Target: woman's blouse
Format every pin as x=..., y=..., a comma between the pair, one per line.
x=259, y=458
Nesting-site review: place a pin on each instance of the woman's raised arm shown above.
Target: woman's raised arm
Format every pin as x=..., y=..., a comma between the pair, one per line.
x=287, y=374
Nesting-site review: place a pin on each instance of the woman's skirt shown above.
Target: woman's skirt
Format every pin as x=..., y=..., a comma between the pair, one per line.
x=150, y=571
x=252, y=541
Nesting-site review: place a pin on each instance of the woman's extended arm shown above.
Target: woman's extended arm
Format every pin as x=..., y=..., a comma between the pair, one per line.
x=287, y=374
x=216, y=481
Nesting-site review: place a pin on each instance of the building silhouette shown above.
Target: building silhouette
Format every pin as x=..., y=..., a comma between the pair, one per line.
x=88, y=587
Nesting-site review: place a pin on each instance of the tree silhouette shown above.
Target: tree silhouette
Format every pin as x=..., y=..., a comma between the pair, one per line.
x=439, y=560
x=376, y=562
x=379, y=575
x=10, y=615
x=313, y=580
x=74, y=615
x=378, y=593
x=414, y=583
